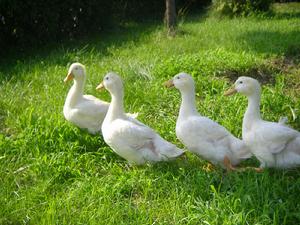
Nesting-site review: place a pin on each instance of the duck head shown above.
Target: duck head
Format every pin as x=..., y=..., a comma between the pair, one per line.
x=181, y=81
x=245, y=85
x=111, y=82
x=76, y=72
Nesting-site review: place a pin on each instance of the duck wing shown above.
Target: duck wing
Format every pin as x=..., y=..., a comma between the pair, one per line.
x=205, y=128
x=91, y=106
x=140, y=137
x=89, y=113
x=275, y=137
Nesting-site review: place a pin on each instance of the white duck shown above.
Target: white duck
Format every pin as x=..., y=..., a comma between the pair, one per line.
x=85, y=111
x=201, y=135
x=128, y=137
x=274, y=144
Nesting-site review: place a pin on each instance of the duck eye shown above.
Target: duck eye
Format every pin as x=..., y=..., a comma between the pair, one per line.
x=240, y=82
x=177, y=78
x=106, y=78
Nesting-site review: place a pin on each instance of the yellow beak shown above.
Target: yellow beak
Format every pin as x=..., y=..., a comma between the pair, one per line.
x=169, y=83
x=230, y=91
x=100, y=87
x=70, y=76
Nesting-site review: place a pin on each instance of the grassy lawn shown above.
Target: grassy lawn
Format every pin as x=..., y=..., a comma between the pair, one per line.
x=54, y=173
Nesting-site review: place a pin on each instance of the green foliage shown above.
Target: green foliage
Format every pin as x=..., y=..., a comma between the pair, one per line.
x=54, y=173
x=241, y=7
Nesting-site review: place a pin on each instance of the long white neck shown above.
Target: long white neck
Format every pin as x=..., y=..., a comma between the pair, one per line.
x=75, y=93
x=252, y=113
x=188, y=106
x=116, y=107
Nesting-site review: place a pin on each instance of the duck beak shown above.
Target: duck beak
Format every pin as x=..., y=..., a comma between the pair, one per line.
x=230, y=91
x=70, y=76
x=169, y=83
x=100, y=87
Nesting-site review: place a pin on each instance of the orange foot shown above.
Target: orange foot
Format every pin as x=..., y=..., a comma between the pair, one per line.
x=259, y=170
x=256, y=169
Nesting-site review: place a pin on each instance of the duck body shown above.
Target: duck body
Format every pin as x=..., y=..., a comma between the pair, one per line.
x=200, y=134
x=210, y=141
x=274, y=144
x=136, y=142
x=85, y=111
x=128, y=137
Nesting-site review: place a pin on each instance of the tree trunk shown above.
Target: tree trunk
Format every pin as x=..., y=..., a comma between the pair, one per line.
x=170, y=16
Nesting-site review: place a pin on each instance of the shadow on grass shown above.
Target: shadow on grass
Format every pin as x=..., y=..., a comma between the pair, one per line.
x=270, y=42
x=65, y=52
x=57, y=53
x=286, y=47
x=286, y=10
x=263, y=73
x=266, y=72
x=282, y=15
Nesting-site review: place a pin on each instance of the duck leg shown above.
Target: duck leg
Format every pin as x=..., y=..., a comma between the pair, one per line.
x=228, y=165
x=258, y=169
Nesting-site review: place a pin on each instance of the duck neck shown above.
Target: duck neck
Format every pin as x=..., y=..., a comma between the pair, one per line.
x=252, y=113
x=187, y=107
x=116, y=107
x=75, y=92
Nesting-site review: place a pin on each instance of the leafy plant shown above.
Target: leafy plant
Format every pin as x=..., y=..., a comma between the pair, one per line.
x=241, y=7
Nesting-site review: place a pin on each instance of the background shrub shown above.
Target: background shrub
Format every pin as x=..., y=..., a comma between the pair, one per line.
x=241, y=7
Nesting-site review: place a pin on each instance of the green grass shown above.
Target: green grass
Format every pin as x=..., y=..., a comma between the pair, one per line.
x=54, y=173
